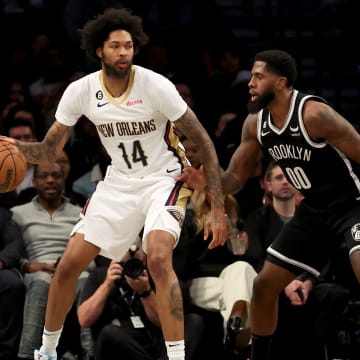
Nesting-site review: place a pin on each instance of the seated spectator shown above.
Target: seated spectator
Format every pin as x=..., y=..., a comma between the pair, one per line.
x=214, y=273
x=45, y=223
x=119, y=303
x=12, y=290
x=63, y=160
x=263, y=224
x=22, y=128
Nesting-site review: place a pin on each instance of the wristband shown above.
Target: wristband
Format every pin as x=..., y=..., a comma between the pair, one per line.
x=145, y=293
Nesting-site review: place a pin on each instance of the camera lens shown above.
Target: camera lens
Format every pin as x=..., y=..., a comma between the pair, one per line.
x=133, y=267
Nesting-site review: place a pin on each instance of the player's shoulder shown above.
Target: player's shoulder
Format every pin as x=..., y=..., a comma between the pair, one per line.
x=143, y=74
x=313, y=108
x=251, y=121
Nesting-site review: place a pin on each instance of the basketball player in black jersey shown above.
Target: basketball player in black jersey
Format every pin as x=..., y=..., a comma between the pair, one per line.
x=319, y=152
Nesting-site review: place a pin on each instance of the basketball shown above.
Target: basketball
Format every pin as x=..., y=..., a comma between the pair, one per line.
x=13, y=167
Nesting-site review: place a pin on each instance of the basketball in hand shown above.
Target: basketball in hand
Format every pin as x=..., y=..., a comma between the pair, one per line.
x=13, y=167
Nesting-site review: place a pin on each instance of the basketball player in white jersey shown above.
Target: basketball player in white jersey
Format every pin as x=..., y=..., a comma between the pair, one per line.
x=135, y=112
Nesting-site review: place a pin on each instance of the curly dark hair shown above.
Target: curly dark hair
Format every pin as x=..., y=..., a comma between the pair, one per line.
x=95, y=32
x=280, y=63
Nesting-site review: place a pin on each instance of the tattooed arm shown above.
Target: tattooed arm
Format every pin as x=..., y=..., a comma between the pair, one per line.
x=189, y=125
x=46, y=150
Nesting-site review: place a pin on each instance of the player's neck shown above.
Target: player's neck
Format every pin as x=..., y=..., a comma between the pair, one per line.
x=280, y=107
x=116, y=86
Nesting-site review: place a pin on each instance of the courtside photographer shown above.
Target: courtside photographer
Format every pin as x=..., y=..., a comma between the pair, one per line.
x=118, y=303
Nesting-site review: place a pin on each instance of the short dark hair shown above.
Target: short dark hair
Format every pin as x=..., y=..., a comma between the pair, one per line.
x=95, y=32
x=19, y=121
x=280, y=62
x=36, y=168
x=269, y=168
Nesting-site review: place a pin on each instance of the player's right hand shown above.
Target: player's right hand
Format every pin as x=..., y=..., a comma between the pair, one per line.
x=194, y=178
x=7, y=139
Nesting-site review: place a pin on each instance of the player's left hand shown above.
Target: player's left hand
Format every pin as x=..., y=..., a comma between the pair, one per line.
x=217, y=225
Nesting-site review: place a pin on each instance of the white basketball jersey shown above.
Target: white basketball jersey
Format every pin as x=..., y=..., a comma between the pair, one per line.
x=135, y=129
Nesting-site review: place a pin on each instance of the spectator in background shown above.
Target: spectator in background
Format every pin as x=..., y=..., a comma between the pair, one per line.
x=121, y=309
x=12, y=290
x=28, y=112
x=21, y=127
x=214, y=273
x=15, y=91
x=45, y=223
x=263, y=224
x=211, y=274
x=63, y=160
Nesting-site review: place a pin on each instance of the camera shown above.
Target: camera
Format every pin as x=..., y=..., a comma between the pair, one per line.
x=133, y=267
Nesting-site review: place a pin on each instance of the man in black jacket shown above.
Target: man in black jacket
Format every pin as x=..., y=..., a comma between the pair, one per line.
x=12, y=290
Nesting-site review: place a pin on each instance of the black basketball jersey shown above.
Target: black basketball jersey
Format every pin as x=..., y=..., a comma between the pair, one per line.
x=323, y=174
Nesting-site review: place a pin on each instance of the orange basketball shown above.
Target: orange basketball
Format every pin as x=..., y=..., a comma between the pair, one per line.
x=13, y=167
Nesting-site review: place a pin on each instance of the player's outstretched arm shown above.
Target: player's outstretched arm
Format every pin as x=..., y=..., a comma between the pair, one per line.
x=246, y=160
x=46, y=150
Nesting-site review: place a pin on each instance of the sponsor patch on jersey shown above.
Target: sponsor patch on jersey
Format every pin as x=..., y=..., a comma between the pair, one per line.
x=355, y=232
x=177, y=215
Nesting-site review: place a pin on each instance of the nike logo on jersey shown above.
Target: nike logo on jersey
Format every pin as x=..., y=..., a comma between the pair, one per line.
x=99, y=104
x=170, y=171
x=264, y=133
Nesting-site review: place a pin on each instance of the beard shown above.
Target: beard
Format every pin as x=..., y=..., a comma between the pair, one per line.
x=261, y=102
x=113, y=71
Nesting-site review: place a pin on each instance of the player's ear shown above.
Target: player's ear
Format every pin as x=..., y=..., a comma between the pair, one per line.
x=282, y=82
x=99, y=52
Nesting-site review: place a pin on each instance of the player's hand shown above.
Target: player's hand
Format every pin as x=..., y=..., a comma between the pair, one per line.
x=6, y=139
x=194, y=178
x=217, y=225
x=297, y=292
